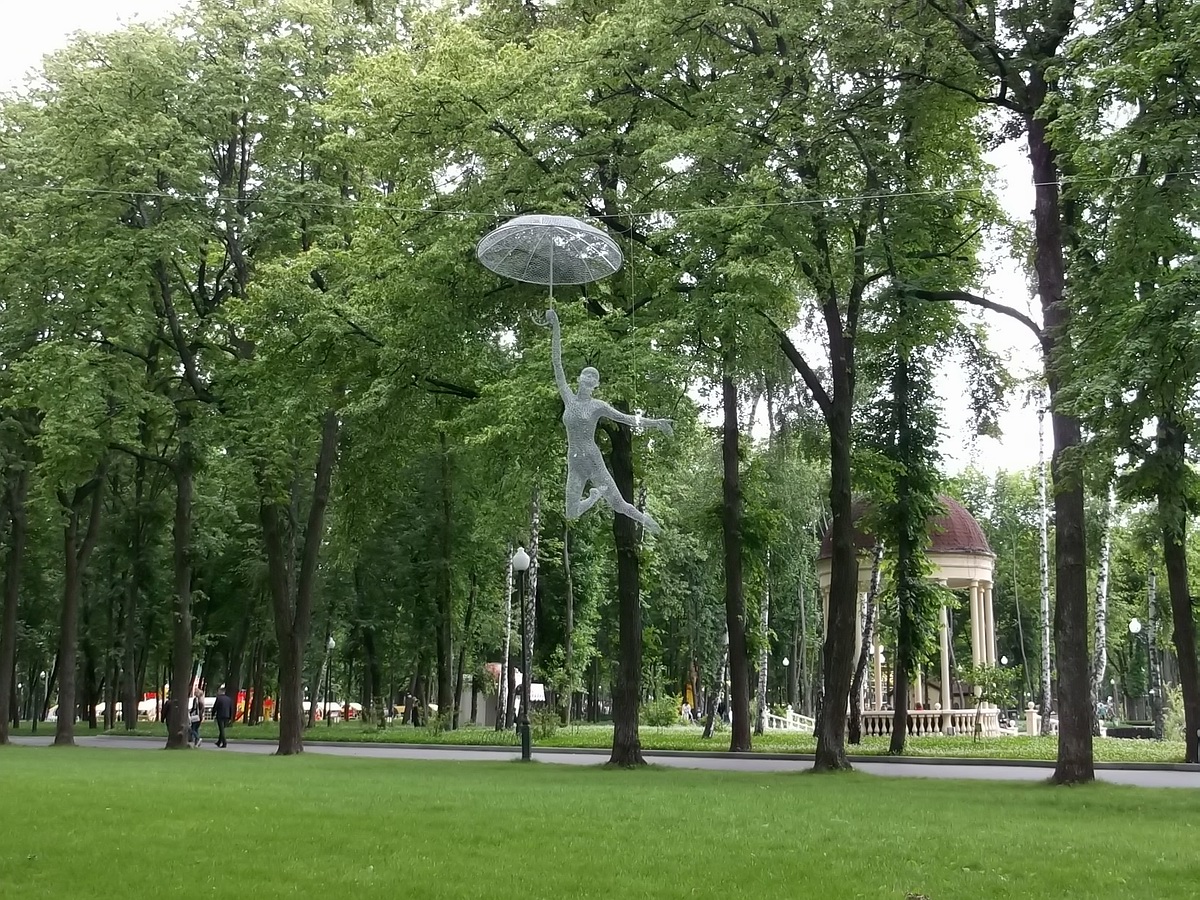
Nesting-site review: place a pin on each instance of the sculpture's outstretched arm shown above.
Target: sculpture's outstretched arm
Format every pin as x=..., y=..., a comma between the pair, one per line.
x=556, y=352
x=633, y=420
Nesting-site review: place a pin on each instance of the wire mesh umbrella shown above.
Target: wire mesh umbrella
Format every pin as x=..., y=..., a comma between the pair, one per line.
x=549, y=250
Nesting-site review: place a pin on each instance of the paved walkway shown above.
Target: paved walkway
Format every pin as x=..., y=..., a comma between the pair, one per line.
x=978, y=771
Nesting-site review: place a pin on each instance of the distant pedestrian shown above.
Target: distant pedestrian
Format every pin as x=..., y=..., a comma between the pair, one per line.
x=686, y=711
x=223, y=713
x=195, y=714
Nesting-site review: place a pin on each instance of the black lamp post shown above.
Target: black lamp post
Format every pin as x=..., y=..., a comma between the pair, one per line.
x=329, y=645
x=520, y=564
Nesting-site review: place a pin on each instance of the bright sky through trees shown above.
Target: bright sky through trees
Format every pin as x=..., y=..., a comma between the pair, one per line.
x=33, y=30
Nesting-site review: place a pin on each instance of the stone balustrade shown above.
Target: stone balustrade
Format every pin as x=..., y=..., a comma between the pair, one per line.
x=790, y=721
x=924, y=722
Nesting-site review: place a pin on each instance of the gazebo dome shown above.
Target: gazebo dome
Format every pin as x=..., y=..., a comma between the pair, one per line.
x=955, y=531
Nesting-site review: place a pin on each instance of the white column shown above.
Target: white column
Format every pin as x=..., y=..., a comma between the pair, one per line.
x=976, y=625
x=824, y=613
x=989, y=616
x=878, y=670
x=947, y=703
x=920, y=686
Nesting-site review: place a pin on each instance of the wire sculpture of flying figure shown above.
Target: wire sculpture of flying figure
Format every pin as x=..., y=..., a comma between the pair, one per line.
x=585, y=463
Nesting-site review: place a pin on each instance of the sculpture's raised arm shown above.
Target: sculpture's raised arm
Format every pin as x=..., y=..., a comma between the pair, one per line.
x=556, y=352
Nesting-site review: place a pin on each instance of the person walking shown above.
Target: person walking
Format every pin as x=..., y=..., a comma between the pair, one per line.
x=223, y=713
x=195, y=714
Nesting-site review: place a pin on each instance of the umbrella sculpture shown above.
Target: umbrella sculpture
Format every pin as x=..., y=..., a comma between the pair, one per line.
x=553, y=250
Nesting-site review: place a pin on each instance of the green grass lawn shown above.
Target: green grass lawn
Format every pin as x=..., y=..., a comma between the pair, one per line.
x=687, y=738
x=80, y=824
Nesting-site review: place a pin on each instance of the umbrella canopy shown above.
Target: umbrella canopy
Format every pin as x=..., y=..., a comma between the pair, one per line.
x=549, y=250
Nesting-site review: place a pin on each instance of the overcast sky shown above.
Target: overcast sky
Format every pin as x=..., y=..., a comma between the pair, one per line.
x=34, y=29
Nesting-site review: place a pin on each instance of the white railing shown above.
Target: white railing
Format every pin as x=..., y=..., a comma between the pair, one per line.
x=790, y=721
x=922, y=722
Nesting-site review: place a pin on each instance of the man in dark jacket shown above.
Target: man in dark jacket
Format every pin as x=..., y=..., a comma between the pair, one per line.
x=223, y=713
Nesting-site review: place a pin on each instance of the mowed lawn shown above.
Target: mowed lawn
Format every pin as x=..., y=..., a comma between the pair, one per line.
x=599, y=737
x=91, y=823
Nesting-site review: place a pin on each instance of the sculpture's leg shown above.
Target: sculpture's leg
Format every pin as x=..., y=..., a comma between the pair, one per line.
x=575, y=483
x=625, y=508
x=594, y=496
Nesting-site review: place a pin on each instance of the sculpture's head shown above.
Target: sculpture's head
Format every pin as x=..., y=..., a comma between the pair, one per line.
x=589, y=378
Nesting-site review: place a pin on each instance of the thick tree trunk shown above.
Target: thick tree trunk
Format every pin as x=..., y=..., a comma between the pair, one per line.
x=838, y=650
x=627, y=695
x=76, y=551
x=1075, y=760
x=1100, y=638
x=735, y=601
x=445, y=594
x=292, y=598
x=1175, y=558
x=181, y=620
x=14, y=504
x=1173, y=522
x=290, y=702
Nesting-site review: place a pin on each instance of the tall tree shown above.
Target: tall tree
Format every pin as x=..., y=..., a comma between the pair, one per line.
x=1016, y=46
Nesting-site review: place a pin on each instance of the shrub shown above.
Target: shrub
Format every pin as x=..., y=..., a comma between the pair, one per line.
x=661, y=712
x=1173, y=721
x=545, y=723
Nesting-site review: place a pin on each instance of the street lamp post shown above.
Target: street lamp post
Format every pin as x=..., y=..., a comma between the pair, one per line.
x=329, y=645
x=1135, y=629
x=787, y=684
x=520, y=564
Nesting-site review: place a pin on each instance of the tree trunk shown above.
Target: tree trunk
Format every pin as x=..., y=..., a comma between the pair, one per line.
x=16, y=492
x=1075, y=760
x=237, y=659
x=1100, y=660
x=289, y=704
x=292, y=598
x=800, y=662
x=1045, y=576
x=462, y=652
x=764, y=655
x=714, y=695
x=569, y=631
x=735, y=601
x=76, y=551
x=627, y=695
x=1173, y=521
x=1152, y=655
x=181, y=621
x=445, y=595
x=838, y=649
x=860, y=668
x=529, y=614
x=504, y=702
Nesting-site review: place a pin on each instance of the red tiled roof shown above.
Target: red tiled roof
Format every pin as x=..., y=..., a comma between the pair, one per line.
x=956, y=531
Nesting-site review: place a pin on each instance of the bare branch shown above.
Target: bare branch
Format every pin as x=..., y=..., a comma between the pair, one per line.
x=983, y=302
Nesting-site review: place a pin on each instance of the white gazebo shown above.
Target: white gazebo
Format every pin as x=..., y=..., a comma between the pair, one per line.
x=960, y=558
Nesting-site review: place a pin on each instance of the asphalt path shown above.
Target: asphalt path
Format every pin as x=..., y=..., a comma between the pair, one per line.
x=995, y=770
